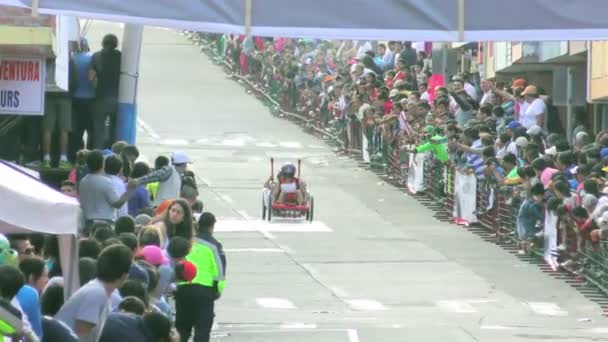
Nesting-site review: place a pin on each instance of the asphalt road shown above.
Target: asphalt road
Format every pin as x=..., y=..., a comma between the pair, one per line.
x=374, y=266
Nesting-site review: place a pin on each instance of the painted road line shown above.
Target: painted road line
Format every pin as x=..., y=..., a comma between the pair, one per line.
x=456, y=306
x=365, y=305
x=237, y=142
x=297, y=326
x=339, y=292
x=254, y=250
x=174, y=142
x=236, y=225
x=353, y=335
x=265, y=144
x=546, y=309
x=290, y=144
x=147, y=128
x=225, y=198
x=316, y=146
x=275, y=303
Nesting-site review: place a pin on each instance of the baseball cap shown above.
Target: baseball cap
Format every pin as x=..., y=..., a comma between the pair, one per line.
x=513, y=125
x=534, y=130
x=530, y=90
x=551, y=151
x=8, y=256
x=519, y=83
x=154, y=255
x=180, y=157
x=185, y=271
x=604, y=152
x=521, y=142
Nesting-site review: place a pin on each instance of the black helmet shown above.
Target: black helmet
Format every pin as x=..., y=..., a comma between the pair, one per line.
x=288, y=170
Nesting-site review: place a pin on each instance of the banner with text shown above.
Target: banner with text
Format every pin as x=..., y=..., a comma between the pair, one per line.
x=465, y=198
x=22, y=85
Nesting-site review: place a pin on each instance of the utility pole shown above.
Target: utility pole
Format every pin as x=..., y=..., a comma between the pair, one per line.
x=127, y=93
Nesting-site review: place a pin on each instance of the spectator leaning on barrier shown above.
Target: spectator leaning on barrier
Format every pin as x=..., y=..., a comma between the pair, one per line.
x=169, y=178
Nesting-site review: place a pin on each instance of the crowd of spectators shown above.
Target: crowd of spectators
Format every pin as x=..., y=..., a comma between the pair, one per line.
x=138, y=227
x=375, y=97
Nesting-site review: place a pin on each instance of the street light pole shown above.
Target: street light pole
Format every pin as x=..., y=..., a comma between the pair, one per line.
x=127, y=92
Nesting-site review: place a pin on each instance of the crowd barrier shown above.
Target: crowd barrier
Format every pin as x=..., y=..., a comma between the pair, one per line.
x=452, y=194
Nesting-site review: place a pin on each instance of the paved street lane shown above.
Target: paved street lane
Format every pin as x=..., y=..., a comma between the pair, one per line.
x=374, y=266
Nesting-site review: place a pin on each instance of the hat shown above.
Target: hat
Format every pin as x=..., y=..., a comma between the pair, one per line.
x=180, y=157
x=429, y=129
x=138, y=273
x=519, y=83
x=185, y=271
x=8, y=256
x=589, y=201
x=521, y=142
x=530, y=90
x=604, y=152
x=142, y=219
x=394, y=93
x=534, y=130
x=513, y=125
x=154, y=255
x=551, y=151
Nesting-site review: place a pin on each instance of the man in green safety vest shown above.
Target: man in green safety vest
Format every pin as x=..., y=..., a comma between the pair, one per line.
x=194, y=299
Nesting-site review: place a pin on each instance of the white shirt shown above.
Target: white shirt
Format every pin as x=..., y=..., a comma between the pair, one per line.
x=120, y=188
x=531, y=111
x=425, y=96
x=471, y=91
x=487, y=97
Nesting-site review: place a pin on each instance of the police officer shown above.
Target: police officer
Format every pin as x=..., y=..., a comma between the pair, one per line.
x=194, y=300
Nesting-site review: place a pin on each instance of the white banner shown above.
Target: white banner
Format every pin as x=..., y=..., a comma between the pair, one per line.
x=550, y=237
x=465, y=198
x=22, y=81
x=415, y=175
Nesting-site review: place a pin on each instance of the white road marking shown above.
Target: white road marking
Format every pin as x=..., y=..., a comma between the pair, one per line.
x=226, y=198
x=174, y=142
x=600, y=330
x=265, y=144
x=547, y=309
x=254, y=250
x=275, y=303
x=353, y=335
x=244, y=214
x=290, y=144
x=235, y=225
x=147, y=128
x=365, y=305
x=233, y=142
x=202, y=141
x=297, y=326
x=496, y=327
x=268, y=235
x=457, y=306
x=205, y=181
x=339, y=292
x=316, y=146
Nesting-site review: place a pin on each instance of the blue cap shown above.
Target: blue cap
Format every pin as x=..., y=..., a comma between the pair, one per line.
x=604, y=152
x=513, y=125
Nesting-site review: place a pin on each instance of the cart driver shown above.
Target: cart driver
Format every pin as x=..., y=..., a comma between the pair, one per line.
x=289, y=189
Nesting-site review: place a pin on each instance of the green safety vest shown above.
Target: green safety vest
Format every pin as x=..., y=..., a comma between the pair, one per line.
x=209, y=268
x=9, y=323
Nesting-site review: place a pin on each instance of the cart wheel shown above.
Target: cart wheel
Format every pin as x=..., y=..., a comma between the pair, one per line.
x=311, y=210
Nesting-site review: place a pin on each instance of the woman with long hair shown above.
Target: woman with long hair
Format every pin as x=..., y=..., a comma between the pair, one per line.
x=177, y=221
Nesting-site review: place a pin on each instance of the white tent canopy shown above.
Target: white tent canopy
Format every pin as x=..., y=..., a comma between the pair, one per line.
x=415, y=20
x=29, y=206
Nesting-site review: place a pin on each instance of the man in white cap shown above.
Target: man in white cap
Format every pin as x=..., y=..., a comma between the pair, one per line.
x=169, y=177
